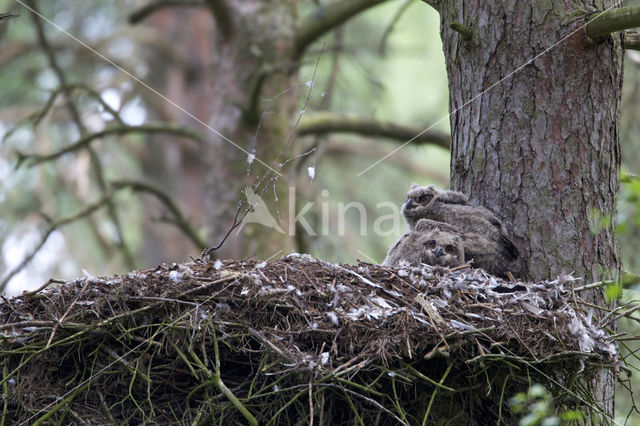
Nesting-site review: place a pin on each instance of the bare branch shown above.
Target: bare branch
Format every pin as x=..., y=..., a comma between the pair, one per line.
x=97, y=169
x=36, y=117
x=178, y=218
x=628, y=279
x=320, y=123
x=147, y=10
x=47, y=233
x=603, y=23
x=326, y=18
x=33, y=159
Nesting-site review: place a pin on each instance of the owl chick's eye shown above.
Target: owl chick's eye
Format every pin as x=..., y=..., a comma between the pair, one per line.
x=424, y=198
x=431, y=244
x=450, y=249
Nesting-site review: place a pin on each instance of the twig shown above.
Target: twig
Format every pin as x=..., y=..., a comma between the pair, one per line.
x=593, y=285
x=47, y=233
x=310, y=400
x=42, y=287
x=75, y=300
x=97, y=169
x=429, y=379
x=23, y=324
x=271, y=346
x=435, y=391
x=625, y=313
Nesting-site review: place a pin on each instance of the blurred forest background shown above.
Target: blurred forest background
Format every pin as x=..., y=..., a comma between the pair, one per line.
x=151, y=182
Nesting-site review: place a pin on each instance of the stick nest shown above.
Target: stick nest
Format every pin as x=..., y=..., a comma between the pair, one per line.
x=292, y=341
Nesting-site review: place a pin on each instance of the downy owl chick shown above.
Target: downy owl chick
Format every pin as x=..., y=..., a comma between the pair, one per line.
x=435, y=244
x=486, y=239
x=421, y=197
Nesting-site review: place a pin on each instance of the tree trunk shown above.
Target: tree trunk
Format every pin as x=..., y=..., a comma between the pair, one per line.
x=240, y=53
x=534, y=119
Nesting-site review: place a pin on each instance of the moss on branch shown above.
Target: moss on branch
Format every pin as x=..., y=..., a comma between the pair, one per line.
x=603, y=23
x=320, y=123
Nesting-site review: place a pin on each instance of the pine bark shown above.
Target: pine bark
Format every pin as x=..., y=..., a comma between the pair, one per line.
x=534, y=120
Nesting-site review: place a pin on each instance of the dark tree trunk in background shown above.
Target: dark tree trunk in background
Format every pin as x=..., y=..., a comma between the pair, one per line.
x=252, y=61
x=539, y=148
x=241, y=53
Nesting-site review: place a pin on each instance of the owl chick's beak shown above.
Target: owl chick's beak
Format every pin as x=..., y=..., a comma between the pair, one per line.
x=439, y=252
x=409, y=204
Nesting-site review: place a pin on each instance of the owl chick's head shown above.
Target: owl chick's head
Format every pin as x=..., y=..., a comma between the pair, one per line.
x=418, y=200
x=442, y=248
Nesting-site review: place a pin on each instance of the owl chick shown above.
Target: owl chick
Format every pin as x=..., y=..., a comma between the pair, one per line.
x=485, y=238
x=434, y=244
x=419, y=198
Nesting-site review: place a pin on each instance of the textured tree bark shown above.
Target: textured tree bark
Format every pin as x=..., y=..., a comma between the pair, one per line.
x=534, y=117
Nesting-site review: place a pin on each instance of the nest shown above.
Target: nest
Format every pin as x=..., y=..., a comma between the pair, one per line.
x=294, y=341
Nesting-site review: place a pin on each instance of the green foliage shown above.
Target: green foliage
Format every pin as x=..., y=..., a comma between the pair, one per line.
x=628, y=219
x=613, y=291
x=537, y=408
